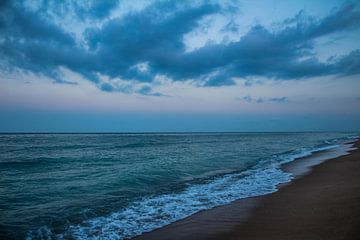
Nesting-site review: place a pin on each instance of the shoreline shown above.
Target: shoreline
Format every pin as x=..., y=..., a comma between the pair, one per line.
x=302, y=166
x=235, y=220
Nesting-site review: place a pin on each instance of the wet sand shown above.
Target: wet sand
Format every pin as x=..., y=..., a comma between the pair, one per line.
x=323, y=204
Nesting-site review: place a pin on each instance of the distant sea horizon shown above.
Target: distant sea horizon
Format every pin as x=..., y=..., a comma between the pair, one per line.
x=169, y=132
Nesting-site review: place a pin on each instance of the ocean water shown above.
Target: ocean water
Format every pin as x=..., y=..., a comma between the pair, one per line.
x=117, y=186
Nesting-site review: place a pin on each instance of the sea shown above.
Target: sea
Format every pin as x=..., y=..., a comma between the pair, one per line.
x=120, y=185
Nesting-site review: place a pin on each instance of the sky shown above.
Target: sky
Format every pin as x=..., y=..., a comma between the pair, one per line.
x=147, y=66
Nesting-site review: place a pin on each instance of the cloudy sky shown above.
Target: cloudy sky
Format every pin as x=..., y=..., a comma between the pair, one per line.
x=117, y=65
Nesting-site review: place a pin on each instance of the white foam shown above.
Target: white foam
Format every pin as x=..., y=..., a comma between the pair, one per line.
x=157, y=211
x=300, y=168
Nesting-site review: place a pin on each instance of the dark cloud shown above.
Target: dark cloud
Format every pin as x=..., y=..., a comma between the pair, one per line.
x=252, y=82
x=93, y=8
x=349, y=64
x=250, y=99
x=288, y=53
x=279, y=100
x=84, y=10
x=146, y=90
x=154, y=35
x=32, y=41
x=106, y=87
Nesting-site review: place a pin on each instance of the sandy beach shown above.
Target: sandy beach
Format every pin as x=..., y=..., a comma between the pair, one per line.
x=323, y=204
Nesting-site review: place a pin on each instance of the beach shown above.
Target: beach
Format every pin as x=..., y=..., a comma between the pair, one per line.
x=170, y=186
x=323, y=203
x=179, y=120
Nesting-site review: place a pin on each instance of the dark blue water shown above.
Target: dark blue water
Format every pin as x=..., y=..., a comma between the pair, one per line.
x=116, y=186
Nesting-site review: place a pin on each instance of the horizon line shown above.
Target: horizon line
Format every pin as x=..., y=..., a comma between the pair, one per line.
x=169, y=132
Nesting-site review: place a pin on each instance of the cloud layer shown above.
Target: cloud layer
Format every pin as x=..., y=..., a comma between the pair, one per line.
x=141, y=45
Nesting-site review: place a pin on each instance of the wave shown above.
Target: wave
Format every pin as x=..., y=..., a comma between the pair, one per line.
x=154, y=212
x=33, y=162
